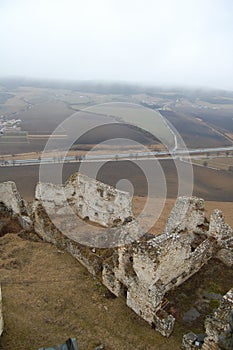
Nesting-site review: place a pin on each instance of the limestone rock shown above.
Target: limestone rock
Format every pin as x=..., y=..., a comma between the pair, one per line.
x=187, y=214
x=220, y=231
x=88, y=198
x=226, y=256
x=12, y=204
x=189, y=341
x=145, y=270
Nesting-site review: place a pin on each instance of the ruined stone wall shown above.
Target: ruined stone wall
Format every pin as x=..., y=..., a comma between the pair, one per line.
x=223, y=234
x=50, y=233
x=89, y=199
x=142, y=267
x=218, y=324
x=219, y=329
x=148, y=269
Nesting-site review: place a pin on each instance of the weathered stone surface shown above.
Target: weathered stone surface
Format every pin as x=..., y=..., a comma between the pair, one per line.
x=217, y=324
x=226, y=256
x=145, y=270
x=1, y=317
x=87, y=198
x=12, y=203
x=59, y=209
x=220, y=231
x=189, y=341
x=187, y=214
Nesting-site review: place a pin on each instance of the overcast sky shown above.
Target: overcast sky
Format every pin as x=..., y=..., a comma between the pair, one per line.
x=178, y=42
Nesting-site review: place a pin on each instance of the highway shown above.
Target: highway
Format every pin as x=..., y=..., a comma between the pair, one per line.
x=160, y=155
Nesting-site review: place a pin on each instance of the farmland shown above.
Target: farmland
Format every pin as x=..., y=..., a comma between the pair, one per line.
x=221, y=163
x=43, y=106
x=57, y=297
x=202, y=119
x=146, y=119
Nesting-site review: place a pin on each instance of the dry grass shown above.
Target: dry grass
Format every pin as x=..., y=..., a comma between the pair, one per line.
x=48, y=296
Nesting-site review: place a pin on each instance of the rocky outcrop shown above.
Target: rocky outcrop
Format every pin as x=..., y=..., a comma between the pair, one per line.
x=12, y=204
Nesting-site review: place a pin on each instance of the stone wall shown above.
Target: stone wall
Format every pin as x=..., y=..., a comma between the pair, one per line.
x=148, y=269
x=141, y=266
x=217, y=326
x=223, y=234
x=89, y=199
x=219, y=329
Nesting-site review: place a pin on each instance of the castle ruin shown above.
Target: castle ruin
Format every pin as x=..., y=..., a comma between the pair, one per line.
x=141, y=266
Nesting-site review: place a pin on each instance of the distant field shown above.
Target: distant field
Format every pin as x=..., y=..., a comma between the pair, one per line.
x=209, y=184
x=45, y=117
x=13, y=139
x=201, y=119
x=222, y=163
x=220, y=118
x=147, y=119
x=193, y=132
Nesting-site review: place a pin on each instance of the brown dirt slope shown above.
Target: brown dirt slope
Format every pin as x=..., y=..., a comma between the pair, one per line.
x=48, y=296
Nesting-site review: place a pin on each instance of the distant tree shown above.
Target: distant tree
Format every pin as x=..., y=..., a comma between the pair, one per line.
x=205, y=163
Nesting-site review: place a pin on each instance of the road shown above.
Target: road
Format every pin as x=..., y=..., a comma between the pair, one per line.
x=160, y=155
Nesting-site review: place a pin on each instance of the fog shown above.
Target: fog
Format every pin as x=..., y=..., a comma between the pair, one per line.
x=171, y=42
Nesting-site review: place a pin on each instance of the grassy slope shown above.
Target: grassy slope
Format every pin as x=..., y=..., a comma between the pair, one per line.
x=48, y=296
